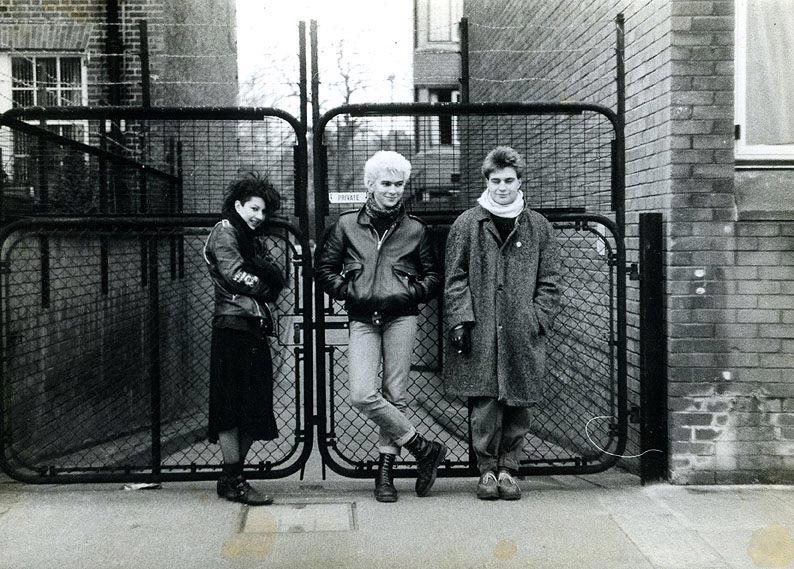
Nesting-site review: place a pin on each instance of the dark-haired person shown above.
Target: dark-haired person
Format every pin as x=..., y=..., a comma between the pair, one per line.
x=500, y=298
x=241, y=370
x=380, y=261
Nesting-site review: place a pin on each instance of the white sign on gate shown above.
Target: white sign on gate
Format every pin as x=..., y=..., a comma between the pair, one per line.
x=347, y=197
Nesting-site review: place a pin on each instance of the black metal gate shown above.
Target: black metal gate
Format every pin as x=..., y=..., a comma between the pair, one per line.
x=106, y=303
x=574, y=176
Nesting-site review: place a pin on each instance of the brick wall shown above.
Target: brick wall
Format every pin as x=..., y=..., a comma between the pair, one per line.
x=560, y=51
x=729, y=288
x=732, y=398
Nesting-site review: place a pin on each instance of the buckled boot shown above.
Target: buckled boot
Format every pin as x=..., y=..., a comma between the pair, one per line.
x=429, y=455
x=243, y=492
x=227, y=479
x=384, y=482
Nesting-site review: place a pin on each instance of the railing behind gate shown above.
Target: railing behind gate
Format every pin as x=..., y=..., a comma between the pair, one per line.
x=573, y=175
x=126, y=161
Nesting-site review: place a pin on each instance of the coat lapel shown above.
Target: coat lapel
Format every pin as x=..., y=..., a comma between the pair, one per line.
x=484, y=218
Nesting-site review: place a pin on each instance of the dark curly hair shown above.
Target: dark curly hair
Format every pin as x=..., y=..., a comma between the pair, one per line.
x=251, y=185
x=502, y=157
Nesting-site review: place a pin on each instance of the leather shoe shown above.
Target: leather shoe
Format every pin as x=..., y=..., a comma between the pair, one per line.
x=488, y=486
x=508, y=487
x=239, y=490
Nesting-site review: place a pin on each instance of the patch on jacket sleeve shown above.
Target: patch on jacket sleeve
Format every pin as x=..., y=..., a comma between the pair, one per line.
x=247, y=279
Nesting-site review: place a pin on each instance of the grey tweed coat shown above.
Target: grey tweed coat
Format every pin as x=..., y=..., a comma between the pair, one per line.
x=510, y=293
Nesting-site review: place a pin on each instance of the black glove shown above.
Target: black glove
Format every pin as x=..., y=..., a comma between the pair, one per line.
x=269, y=274
x=460, y=338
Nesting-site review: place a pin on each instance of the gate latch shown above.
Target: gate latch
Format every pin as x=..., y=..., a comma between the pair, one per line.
x=633, y=270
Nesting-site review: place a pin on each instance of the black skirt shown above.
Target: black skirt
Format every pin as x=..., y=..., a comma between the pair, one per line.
x=241, y=385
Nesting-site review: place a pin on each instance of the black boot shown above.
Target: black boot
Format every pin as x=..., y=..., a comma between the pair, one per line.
x=233, y=486
x=384, y=483
x=244, y=493
x=226, y=481
x=429, y=455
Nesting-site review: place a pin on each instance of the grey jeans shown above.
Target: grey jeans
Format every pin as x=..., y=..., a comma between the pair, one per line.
x=497, y=432
x=383, y=402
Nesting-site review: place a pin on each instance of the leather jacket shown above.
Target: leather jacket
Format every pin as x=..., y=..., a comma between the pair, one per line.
x=235, y=286
x=378, y=278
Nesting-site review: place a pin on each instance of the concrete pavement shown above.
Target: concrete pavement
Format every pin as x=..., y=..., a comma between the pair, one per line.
x=605, y=521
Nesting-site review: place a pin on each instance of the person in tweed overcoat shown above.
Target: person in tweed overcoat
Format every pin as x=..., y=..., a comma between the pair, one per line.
x=500, y=298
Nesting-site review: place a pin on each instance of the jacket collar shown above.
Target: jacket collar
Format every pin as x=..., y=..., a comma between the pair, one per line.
x=482, y=215
x=363, y=217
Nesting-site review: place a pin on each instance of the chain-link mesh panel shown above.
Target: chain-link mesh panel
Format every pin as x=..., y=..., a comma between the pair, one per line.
x=75, y=388
x=80, y=358
x=570, y=164
x=577, y=413
x=568, y=157
x=69, y=162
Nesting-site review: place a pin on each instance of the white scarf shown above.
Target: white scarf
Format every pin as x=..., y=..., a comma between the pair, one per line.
x=511, y=210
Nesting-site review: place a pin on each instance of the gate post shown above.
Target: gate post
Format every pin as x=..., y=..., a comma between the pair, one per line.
x=653, y=358
x=153, y=334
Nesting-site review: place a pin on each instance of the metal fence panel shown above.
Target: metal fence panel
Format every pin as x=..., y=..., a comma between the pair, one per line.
x=113, y=383
x=571, y=177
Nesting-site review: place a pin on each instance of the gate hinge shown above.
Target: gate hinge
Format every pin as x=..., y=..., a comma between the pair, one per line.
x=633, y=270
x=4, y=268
x=634, y=414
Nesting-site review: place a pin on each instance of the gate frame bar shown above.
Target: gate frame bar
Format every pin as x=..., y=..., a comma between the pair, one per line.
x=617, y=227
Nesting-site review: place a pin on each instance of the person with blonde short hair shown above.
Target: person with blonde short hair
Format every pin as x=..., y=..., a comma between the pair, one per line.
x=380, y=262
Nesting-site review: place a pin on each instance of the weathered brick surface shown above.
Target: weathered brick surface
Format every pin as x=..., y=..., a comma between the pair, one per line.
x=184, y=69
x=572, y=58
x=730, y=298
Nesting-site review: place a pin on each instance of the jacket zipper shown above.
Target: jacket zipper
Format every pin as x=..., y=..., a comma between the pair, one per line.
x=380, y=243
x=385, y=234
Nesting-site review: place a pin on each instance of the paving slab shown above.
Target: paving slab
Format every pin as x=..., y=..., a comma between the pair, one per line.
x=605, y=521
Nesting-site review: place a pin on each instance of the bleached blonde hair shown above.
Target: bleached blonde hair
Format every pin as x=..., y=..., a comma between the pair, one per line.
x=386, y=162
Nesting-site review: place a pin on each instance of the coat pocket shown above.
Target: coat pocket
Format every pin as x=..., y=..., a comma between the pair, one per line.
x=350, y=272
x=406, y=275
x=538, y=327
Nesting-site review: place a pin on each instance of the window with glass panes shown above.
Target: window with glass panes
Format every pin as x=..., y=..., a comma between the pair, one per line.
x=51, y=81
x=764, y=87
x=46, y=81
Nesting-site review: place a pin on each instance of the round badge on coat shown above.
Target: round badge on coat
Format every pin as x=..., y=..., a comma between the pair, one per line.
x=518, y=243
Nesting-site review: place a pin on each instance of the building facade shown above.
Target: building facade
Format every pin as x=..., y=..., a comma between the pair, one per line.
x=708, y=145
x=78, y=311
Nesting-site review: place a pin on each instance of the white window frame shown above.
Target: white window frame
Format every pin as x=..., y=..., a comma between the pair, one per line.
x=742, y=150
x=6, y=101
x=448, y=32
x=57, y=57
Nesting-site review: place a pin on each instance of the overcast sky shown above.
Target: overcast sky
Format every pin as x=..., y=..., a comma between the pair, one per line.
x=377, y=39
